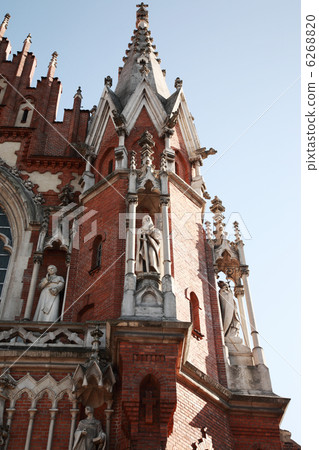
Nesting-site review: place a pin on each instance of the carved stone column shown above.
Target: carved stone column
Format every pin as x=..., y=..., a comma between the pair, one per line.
x=130, y=277
x=53, y=412
x=257, y=350
x=239, y=294
x=32, y=412
x=108, y=413
x=10, y=412
x=167, y=285
x=74, y=413
x=37, y=260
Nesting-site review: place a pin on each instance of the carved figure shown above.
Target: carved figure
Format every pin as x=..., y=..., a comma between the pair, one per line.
x=48, y=305
x=89, y=434
x=148, y=247
x=228, y=306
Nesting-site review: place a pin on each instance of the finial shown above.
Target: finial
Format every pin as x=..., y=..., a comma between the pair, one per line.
x=217, y=205
x=26, y=44
x=4, y=25
x=96, y=335
x=142, y=16
x=28, y=39
x=54, y=59
x=78, y=93
x=108, y=81
x=178, y=83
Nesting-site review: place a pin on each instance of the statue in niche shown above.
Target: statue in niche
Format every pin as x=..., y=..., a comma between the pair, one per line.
x=228, y=306
x=89, y=434
x=148, y=247
x=49, y=301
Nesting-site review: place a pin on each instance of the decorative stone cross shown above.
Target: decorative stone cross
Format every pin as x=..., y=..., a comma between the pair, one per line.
x=149, y=402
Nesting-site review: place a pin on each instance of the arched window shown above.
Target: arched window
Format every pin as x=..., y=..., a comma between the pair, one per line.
x=194, y=309
x=96, y=253
x=24, y=115
x=5, y=247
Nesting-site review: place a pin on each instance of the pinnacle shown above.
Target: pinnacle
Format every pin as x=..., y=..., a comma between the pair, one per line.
x=141, y=61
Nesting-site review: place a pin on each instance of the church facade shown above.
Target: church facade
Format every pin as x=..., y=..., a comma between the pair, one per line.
x=122, y=324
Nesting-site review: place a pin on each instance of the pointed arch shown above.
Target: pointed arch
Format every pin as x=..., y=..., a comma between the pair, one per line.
x=22, y=215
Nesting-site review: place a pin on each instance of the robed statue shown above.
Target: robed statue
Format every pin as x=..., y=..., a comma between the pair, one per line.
x=89, y=434
x=228, y=306
x=148, y=247
x=49, y=301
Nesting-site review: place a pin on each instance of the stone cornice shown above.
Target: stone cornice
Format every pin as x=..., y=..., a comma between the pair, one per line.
x=187, y=190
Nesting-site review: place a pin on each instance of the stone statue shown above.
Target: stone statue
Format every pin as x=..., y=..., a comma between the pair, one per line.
x=148, y=247
x=48, y=305
x=228, y=306
x=89, y=434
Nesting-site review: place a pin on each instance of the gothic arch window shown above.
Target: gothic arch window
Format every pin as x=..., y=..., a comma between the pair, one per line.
x=5, y=247
x=96, y=253
x=194, y=310
x=24, y=115
x=20, y=210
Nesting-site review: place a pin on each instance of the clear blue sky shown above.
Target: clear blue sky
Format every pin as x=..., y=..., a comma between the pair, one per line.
x=236, y=59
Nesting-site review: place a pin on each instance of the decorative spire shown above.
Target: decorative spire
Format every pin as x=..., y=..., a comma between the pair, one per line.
x=141, y=61
x=52, y=65
x=217, y=208
x=4, y=25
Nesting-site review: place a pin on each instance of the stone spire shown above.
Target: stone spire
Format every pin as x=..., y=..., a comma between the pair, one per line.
x=4, y=25
x=141, y=62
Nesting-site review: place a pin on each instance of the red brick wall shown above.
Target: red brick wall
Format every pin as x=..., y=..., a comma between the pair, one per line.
x=194, y=412
x=41, y=423
x=20, y=423
x=105, y=286
x=62, y=426
x=188, y=245
x=252, y=431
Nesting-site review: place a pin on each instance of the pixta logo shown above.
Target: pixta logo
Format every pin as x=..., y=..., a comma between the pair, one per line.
x=66, y=223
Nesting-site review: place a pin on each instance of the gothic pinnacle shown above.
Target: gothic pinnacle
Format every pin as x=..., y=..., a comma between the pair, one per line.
x=52, y=64
x=4, y=25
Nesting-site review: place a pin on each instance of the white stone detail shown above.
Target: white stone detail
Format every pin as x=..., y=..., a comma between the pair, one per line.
x=46, y=181
x=8, y=152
